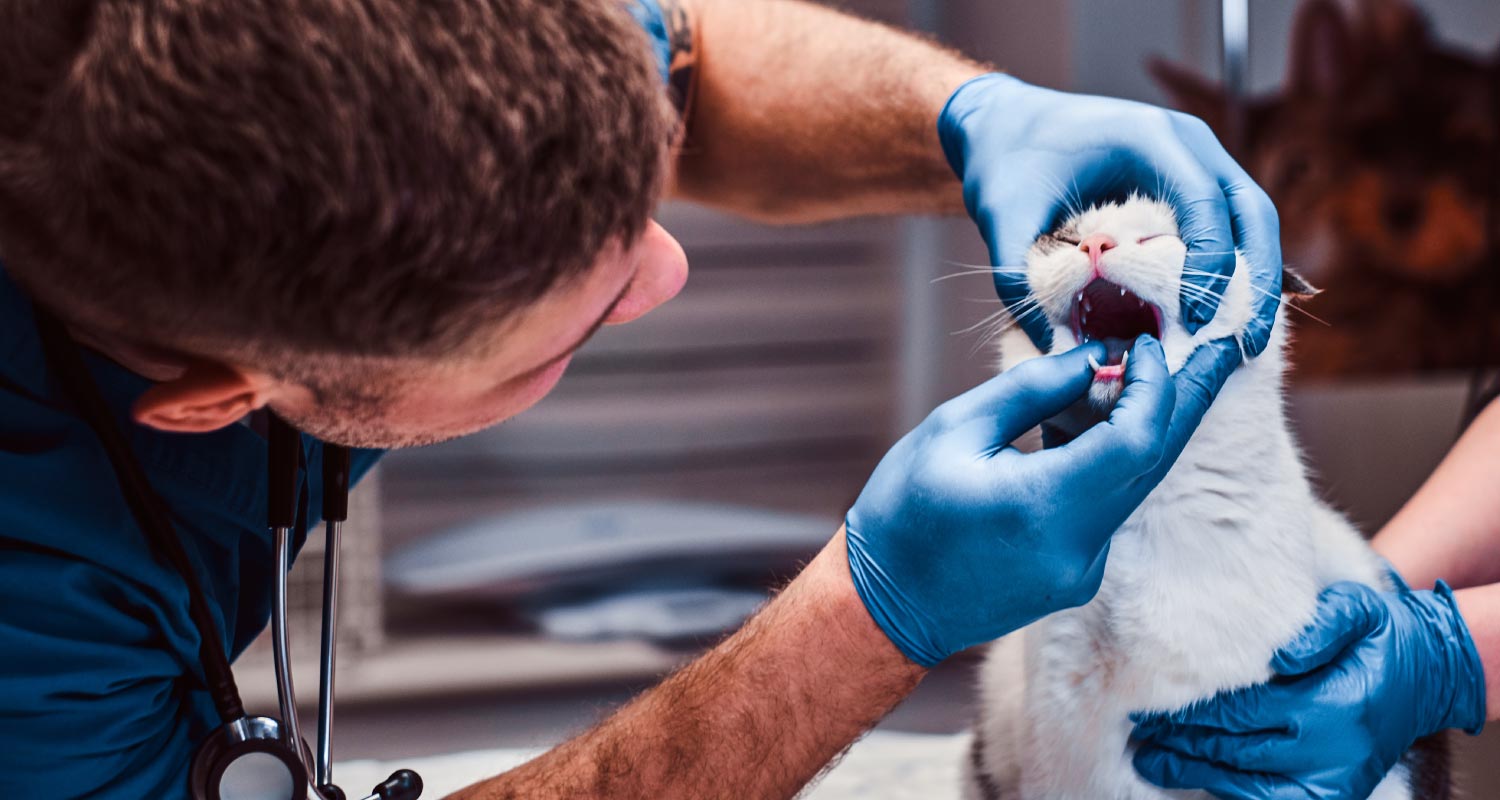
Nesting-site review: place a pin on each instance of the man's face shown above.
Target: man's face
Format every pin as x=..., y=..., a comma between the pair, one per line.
x=433, y=402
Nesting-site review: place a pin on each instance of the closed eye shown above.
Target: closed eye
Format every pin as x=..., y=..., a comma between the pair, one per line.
x=1145, y=239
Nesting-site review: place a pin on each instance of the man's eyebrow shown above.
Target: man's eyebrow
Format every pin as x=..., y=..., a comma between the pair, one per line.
x=582, y=340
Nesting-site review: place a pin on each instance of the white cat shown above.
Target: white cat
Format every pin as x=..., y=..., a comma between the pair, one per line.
x=1222, y=563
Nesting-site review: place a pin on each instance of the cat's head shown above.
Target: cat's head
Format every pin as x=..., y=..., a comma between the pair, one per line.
x=1114, y=272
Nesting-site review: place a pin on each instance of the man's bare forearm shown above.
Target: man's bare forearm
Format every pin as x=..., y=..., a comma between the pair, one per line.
x=801, y=113
x=758, y=716
x=1451, y=528
x=1480, y=607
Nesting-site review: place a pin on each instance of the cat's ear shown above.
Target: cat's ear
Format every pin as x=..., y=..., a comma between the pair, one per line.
x=1187, y=91
x=1391, y=25
x=1295, y=286
x=1323, y=57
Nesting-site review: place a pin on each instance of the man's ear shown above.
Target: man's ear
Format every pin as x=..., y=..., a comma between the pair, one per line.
x=207, y=396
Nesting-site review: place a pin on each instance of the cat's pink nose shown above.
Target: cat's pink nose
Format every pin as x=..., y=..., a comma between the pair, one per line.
x=1095, y=245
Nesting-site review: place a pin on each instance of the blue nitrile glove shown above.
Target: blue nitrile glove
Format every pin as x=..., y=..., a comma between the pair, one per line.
x=959, y=538
x=1028, y=156
x=1372, y=674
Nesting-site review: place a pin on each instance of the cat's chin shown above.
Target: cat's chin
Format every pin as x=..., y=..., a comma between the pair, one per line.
x=1105, y=392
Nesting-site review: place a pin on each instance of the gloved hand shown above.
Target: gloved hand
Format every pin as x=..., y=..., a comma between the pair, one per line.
x=1028, y=156
x=959, y=538
x=1372, y=674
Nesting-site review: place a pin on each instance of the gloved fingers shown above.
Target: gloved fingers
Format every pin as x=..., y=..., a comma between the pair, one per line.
x=1196, y=193
x=1171, y=770
x=1254, y=224
x=1249, y=710
x=1129, y=443
x=1197, y=384
x=1010, y=222
x=1243, y=750
x=1257, y=229
x=1347, y=612
x=1021, y=397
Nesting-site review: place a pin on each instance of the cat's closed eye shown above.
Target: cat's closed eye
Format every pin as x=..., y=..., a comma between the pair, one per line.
x=1145, y=239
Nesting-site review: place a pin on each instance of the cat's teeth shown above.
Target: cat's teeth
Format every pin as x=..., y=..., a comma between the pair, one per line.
x=1087, y=306
x=1122, y=291
x=1094, y=362
x=1125, y=361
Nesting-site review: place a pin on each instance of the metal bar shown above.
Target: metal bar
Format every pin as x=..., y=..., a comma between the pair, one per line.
x=328, y=656
x=285, y=694
x=1236, y=34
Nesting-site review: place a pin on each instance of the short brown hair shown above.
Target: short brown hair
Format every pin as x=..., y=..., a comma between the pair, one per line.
x=376, y=178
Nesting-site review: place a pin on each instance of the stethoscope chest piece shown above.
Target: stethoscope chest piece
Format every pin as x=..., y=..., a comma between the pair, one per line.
x=248, y=759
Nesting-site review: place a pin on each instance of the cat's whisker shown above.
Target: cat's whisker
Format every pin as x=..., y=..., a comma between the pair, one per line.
x=1196, y=291
x=988, y=320
x=987, y=269
x=978, y=271
x=952, y=263
x=1300, y=310
x=1201, y=293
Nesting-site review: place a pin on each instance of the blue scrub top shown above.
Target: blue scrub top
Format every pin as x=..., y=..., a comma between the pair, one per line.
x=101, y=690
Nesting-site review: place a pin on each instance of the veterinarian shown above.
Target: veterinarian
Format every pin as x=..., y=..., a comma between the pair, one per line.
x=393, y=223
x=1375, y=671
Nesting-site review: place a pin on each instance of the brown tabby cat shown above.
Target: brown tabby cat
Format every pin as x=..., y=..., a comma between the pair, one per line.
x=1382, y=153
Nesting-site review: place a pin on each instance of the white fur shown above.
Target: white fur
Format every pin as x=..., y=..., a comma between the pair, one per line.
x=1219, y=566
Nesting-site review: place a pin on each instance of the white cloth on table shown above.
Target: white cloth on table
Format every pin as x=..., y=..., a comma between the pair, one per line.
x=883, y=766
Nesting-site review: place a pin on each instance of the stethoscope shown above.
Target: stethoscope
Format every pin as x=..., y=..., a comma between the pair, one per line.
x=245, y=758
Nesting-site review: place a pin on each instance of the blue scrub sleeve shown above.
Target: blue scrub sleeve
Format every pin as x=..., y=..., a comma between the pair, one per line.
x=648, y=14
x=87, y=676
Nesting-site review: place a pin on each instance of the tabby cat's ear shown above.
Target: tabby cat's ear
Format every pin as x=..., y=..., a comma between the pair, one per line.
x=1186, y=91
x=1323, y=57
x=1295, y=286
x=1391, y=24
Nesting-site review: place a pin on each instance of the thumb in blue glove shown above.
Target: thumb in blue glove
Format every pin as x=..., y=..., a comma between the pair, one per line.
x=959, y=538
x=1372, y=674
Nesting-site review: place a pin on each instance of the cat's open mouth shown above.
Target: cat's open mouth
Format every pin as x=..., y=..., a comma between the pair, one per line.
x=1110, y=313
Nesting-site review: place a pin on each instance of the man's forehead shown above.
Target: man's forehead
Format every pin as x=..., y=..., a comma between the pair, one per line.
x=567, y=314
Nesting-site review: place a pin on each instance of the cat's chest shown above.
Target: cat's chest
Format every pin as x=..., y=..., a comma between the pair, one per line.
x=1189, y=607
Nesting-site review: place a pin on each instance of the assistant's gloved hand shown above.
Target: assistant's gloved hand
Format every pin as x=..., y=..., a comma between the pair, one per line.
x=959, y=538
x=1028, y=155
x=1372, y=674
